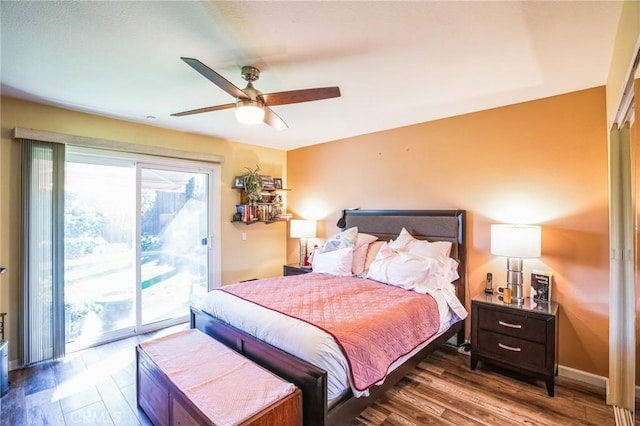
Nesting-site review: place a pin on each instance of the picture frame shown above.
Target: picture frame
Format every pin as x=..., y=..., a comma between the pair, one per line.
x=238, y=182
x=277, y=183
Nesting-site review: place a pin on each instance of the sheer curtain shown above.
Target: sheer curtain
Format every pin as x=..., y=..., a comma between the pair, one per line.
x=42, y=292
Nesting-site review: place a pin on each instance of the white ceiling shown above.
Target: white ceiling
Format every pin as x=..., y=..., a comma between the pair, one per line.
x=396, y=63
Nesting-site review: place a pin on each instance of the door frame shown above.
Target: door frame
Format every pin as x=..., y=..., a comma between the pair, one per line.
x=211, y=241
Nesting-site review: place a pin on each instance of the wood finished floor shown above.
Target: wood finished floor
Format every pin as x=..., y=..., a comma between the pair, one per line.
x=444, y=391
x=97, y=387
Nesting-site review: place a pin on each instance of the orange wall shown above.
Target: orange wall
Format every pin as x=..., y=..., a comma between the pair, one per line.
x=542, y=162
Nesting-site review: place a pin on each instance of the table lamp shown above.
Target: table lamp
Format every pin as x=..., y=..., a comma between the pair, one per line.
x=302, y=229
x=515, y=242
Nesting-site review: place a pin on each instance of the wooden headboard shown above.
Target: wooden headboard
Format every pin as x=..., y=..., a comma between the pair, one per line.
x=430, y=225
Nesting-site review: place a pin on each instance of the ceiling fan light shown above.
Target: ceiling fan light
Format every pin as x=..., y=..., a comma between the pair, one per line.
x=249, y=111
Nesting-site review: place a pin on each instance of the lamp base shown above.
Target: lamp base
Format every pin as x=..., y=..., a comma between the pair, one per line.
x=514, y=279
x=516, y=293
x=303, y=252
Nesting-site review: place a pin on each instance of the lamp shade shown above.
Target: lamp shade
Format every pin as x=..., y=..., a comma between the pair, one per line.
x=516, y=240
x=302, y=228
x=249, y=111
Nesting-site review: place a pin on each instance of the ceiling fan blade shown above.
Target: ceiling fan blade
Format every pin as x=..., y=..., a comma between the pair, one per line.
x=215, y=78
x=206, y=109
x=304, y=95
x=273, y=120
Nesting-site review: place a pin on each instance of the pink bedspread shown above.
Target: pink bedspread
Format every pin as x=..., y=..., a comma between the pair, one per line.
x=374, y=324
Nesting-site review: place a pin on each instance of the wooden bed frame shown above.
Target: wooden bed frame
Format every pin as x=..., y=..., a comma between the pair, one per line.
x=432, y=225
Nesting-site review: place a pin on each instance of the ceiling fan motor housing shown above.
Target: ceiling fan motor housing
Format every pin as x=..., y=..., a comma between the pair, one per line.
x=250, y=73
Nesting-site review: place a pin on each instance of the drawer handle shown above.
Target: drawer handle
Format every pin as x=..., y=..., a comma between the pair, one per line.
x=507, y=324
x=509, y=348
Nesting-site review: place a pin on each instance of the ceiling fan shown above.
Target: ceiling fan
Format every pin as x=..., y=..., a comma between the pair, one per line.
x=252, y=106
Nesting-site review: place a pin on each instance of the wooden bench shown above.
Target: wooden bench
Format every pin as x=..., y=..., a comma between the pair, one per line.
x=188, y=378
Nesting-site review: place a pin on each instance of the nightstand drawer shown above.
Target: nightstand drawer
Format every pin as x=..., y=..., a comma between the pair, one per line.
x=513, y=324
x=518, y=352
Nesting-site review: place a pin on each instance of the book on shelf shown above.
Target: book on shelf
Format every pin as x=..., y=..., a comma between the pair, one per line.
x=267, y=182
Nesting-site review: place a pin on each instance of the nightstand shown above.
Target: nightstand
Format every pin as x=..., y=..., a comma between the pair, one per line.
x=295, y=269
x=519, y=337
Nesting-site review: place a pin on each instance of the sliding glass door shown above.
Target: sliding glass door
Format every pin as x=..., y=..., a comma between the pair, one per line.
x=99, y=247
x=174, y=236
x=137, y=245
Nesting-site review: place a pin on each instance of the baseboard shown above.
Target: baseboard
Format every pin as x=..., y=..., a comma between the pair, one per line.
x=592, y=379
x=582, y=376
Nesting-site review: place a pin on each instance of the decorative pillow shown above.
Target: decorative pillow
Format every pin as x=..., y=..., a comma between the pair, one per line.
x=336, y=262
x=360, y=252
x=400, y=269
x=372, y=252
x=344, y=239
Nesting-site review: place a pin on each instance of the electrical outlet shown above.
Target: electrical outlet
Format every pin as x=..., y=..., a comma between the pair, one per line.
x=243, y=236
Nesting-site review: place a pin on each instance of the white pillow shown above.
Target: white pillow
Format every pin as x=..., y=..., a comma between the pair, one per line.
x=402, y=241
x=400, y=269
x=424, y=248
x=440, y=276
x=344, y=239
x=360, y=252
x=335, y=262
x=427, y=249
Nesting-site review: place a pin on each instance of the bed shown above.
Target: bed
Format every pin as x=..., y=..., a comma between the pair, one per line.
x=319, y=407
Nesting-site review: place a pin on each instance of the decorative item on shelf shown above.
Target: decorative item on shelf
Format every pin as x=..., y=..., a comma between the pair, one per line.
x=265, y=197
x=277, y=206
x=515, y=242
x=253, y=184
x=277, y=183
x=239, y=214
x=238, y=182
x=302, y=229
